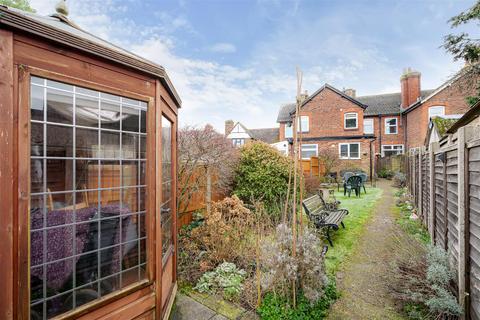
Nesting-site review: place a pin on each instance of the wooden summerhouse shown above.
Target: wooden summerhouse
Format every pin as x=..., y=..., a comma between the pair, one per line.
x=87, y=175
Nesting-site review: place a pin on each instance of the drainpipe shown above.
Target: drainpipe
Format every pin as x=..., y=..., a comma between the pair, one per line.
x=371, y=161
x=380, y=134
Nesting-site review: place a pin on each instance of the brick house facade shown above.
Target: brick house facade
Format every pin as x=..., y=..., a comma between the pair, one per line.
x=385, y=124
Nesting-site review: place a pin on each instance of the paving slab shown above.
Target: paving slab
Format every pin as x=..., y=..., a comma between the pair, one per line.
x=188, y=309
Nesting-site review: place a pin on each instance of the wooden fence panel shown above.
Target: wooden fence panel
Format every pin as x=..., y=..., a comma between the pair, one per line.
x=452, y=206
x=440, y=226
x=474, y=231
x=425, y=187
x=417, y=176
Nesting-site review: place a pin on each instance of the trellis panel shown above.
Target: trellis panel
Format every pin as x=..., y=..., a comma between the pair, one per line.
x=474, y=231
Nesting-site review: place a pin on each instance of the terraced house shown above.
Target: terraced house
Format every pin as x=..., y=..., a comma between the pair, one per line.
x=362, y=128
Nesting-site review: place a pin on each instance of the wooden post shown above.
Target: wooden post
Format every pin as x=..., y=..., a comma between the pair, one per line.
x=431, y=220
x=7, y=175
x=208, y=194
x=462, y=200
x=420, y=185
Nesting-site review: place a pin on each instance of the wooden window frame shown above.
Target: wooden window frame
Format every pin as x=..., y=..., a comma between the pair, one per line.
x=23, y=202
x=345, y=115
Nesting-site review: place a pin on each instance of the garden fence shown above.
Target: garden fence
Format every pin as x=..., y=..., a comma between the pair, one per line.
x=444, y=181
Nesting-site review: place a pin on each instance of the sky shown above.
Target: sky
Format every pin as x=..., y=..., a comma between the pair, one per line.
x=237, y=59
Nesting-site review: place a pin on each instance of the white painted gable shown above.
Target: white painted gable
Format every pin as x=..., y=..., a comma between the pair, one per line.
x=238, y=132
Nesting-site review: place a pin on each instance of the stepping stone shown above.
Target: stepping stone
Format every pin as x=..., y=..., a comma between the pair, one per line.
x=188, y=309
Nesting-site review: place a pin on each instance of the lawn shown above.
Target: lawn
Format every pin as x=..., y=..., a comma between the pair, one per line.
x=344, y=240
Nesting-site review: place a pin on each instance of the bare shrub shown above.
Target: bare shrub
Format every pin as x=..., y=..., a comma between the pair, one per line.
x=330, y=158
x=223, y=236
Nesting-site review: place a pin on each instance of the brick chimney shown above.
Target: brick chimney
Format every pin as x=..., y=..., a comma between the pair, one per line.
x=229, y=126
x=350, y=92
x=410, y=87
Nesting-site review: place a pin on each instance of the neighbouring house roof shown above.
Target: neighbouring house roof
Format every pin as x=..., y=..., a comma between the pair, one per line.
x=287, y=110
x=467, y=118
x=385, y=104
x=267, y=135
x=446, y=84
x=439, y=126
x=60, y=29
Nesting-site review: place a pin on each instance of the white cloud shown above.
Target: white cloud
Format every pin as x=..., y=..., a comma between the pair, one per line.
x=222, y=47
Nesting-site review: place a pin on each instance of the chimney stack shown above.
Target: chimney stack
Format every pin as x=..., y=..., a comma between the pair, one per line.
x=350, y=92
x=229, y=126
x=410, y=87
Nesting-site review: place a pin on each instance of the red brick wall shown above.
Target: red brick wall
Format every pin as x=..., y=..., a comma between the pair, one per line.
x=453, y=98
x=326, y=115
x=387, y=139
x=363, y=162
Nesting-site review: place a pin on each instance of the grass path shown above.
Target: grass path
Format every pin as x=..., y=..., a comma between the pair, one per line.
x=361, y=278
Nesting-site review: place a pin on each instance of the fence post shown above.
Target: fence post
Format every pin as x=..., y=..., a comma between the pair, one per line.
x=420, y=185
x=431, y=221
x=462, y=199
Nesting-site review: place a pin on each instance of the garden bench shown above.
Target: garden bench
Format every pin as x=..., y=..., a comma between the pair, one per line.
x=322, y=217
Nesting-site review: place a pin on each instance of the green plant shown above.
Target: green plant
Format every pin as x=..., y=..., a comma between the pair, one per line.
x=399, y=180
x=262, y=175
x=226, y=279
x=276, y=307
x=385, y=173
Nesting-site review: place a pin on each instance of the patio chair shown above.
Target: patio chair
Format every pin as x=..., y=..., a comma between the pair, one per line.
x=364, y=180
x=353, y=183
x=345, y=177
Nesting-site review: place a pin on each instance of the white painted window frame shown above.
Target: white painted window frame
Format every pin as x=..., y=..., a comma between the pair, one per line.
x=304, y=128
x=388, y=126
x=345, y=116
x=235, y=140
x=433, y=108
x=309, y=145
x=348, y=144
x=288, y=131
x=364, y=126
x=392, y=145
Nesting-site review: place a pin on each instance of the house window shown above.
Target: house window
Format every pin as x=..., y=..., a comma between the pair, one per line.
x=309, y=150
x=238, y=142
x=87, y=195
x=288, y=130
x=303, y=120
x=390, y=150
x=391, y=126
x=436, y=111
x=351, y=120
x=349, y=150
x=368, y=126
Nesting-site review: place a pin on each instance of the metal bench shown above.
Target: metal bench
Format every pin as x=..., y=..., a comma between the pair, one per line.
x=323, y=217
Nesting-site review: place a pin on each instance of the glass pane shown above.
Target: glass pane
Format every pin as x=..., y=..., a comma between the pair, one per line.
x=110, y=115
x=351, y=123
x=86, y=111
x=354, y=150
x=108, y=96
x=109, y=144
x=167, y=207
x=59, y=106
x=37, y=102
x=36, y=175
x=344, y=150
x=36, y=136
x=86, y=143
x=130, y=145
x=59, y=141
x=143, y=121
x=131, y=119
x=85, y=229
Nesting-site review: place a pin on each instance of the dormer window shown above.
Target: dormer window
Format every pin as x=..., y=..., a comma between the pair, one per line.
x=351, y=120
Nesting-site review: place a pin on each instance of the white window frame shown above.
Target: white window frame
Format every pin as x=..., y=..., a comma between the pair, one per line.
x=303, y=120
x=288, y=130
x=349, y=157
x=430, y=109
x=309, y=145
x=392, y=148
x=372, y=125
x=345, y=116
x=238, y=142
x=388, y=126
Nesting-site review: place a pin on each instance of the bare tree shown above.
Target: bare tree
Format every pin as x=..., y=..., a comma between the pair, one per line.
x=203, y=154
x=329, y=157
